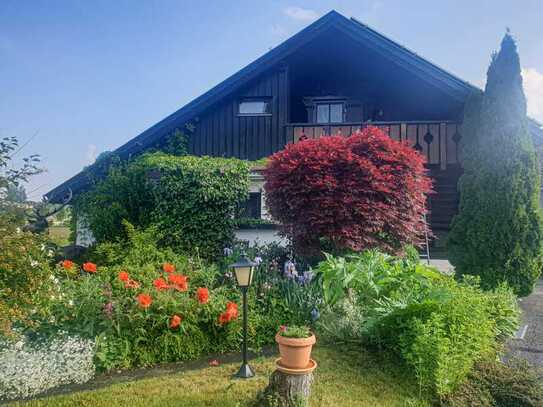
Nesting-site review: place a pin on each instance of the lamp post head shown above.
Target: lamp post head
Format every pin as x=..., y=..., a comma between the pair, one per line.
x=244, y=270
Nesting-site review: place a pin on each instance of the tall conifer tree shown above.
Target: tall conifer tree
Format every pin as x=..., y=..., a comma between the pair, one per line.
x=497, y=233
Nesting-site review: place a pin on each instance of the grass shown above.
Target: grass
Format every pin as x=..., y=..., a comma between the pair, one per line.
x=344, y=377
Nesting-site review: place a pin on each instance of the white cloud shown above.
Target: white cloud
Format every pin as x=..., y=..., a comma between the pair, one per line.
x=300, y=14
x=91, y=154
x=533, y=88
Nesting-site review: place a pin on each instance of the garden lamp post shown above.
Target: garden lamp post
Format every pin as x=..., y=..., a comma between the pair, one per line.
x=244, y=269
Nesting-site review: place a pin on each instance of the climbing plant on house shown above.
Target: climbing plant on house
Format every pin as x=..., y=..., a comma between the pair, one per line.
x=497, y=234
x=191, y=200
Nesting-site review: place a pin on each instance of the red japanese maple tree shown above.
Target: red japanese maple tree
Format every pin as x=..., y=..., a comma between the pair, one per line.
x=348, y=193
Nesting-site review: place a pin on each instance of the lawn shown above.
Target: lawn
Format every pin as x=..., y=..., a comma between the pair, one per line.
x=350, y=377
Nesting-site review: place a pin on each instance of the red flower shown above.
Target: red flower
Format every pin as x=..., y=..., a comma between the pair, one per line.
x=202, y=294
x=144, y=300
x=168, y=267
x=123, y=276
x=161, y=284
x=282, y=328
x=131, y=284
x=89, y=267
x=214, y=362
x=175, y=321
x=67, y=264
x=179, y=282
x=223, y=318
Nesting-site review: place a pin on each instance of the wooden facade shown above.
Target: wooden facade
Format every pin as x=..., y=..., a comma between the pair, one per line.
x=223, y=131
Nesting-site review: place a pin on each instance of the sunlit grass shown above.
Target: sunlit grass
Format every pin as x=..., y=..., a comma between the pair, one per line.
x=344, y=377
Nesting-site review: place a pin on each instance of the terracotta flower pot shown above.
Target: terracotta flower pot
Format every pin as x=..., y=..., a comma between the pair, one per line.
x=295, y=352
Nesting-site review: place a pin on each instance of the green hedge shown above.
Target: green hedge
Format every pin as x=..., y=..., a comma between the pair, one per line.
x=191, y=200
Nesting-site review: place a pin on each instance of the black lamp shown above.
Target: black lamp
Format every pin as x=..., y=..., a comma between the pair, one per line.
x=244, y=270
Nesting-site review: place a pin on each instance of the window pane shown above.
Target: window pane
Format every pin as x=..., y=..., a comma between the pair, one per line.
x=336, y=113
x=252, y=208
x=254, y=107
x=323, y=113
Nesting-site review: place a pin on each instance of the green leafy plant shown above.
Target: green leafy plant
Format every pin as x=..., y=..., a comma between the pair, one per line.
x=190, y=200
x=295, y=331
x=438, y=326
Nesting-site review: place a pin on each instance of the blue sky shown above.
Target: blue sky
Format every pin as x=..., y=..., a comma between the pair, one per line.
x=80, y=77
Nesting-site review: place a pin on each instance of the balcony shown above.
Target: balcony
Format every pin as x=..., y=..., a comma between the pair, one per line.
x=437, y=140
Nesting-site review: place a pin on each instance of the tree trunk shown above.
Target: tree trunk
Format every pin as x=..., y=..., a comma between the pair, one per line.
x=287, y=390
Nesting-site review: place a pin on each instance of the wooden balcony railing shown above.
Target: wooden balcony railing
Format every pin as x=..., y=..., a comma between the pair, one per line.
x=437, y=140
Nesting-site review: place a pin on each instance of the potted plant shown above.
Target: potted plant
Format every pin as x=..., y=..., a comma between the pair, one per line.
x=295, y=344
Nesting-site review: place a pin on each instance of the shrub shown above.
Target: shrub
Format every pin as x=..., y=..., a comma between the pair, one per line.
x=30, y=368
x=25, y=274
x=190, y=200
x=494, y=383
x=497, y=233
x=442, y=346
x=438, y=326
x=348, y=193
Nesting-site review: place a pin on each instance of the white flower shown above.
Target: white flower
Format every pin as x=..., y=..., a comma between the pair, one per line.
x=258, y=260
x=32, y=368
x=18, y=230
x=34, y=263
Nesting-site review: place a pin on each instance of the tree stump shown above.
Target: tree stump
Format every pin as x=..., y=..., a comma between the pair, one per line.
x=288, y=390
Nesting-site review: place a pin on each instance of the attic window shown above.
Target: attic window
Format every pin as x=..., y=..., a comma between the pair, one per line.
x=255, y=107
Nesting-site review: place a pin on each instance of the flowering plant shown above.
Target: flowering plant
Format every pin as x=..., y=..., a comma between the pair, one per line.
x=30, y=368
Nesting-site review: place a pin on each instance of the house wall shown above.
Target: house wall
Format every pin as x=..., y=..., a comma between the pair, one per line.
x=222, y=132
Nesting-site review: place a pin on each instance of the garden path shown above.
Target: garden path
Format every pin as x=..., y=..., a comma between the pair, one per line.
x=528, y=343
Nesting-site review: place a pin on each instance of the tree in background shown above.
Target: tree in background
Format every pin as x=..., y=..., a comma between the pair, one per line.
x=341, y=194
x=497, y=233
x=16, y=194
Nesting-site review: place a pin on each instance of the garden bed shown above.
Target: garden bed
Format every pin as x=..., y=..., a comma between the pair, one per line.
x=352, y=377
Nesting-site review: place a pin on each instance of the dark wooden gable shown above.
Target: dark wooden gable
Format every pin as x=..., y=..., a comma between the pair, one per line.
x=221, y=131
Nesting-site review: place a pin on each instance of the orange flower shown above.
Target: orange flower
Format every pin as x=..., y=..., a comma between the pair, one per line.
x=175, y=321
x=131, y=284
x=144, y=300
x=202, y=294
x=232, y=310
x=67, y=264
x=123, y=276
x=179, y=282
x=168, y=267
x=161, y=284
x=89, y=267
x=230, y=313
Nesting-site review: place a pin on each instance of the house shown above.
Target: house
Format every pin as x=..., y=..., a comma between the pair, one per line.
x=335, y=76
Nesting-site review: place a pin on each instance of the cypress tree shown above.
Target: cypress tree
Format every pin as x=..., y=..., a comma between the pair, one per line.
x=497, y=233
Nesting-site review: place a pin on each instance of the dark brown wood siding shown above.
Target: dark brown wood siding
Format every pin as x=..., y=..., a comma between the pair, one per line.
x=221, y=132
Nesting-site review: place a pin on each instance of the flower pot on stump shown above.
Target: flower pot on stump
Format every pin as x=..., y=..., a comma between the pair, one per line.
x=295, y=352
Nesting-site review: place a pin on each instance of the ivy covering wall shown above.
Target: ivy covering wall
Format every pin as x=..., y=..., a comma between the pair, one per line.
x=191, y=200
